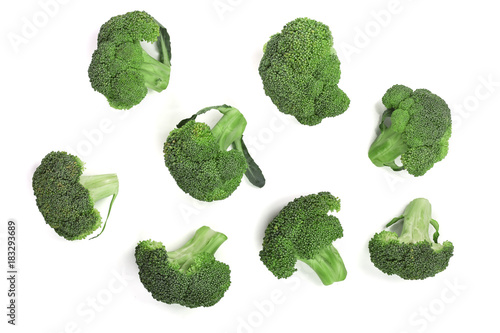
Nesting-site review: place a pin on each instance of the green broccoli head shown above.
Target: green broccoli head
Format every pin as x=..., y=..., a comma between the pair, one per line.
x=121, y=69
x=198, y=157
x=419, y=130
x=303, y=230
x=189, y=276
x=66, y=198
x=300, y=72
x=411, y=255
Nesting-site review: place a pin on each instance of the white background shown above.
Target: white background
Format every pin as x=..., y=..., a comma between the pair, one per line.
x=448, y=47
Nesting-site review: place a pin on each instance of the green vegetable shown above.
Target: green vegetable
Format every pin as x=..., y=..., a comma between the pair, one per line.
x=121, y=69
x=198, y=157
x=411, y=255
x=66, y=198
x=303, y=230
x=300, y=72
x=189, y=276
x=419, y=130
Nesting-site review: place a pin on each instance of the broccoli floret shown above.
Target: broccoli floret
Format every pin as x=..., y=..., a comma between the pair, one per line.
x=303, y=230
x=300, y=72
x=66, y=198
x=419, y=131
x=198, y=157
x=121, y=69
x=189, y=276
x=412, y=255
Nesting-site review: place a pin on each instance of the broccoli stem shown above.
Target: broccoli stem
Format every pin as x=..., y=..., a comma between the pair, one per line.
x=417, y=217
x=100, y=187
x=230, y=127
x=229, y=132
x=156, y=74
x=328, y=264
x=205, y=240
x=388, y=146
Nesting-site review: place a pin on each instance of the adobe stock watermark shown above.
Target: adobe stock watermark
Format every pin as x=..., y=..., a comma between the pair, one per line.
x=224, y=7
x=88, y=310
x=256, y=144
x=485, y=89
x=94, y=137
x=33, y=24
x=265, y=308
x=266, y=135
x=190, y=211
x=394, y=178
x=364, y=35
x=422, y=318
